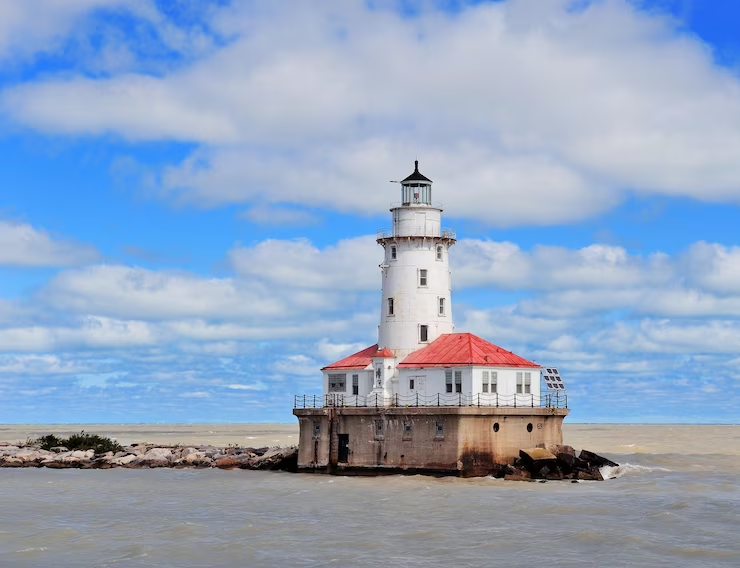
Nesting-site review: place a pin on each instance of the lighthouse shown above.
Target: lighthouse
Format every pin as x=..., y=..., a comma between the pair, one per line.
x=425, y=398
x=416, y=282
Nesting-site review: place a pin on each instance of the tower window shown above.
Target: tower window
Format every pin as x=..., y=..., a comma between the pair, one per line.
x=422, y=277
x=390, y=306
x=355, y=384
x=393, y=253
x=423, y=333
x=494, y=381
x=485, y=382
x=412, y=383
x=441, y=306
x=458, y=381
x=448, y=381
x=439, y=252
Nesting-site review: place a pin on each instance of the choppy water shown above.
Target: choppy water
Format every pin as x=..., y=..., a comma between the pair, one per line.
x=675, y=502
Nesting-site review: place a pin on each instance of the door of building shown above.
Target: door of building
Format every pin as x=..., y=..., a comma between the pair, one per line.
x=343, y=456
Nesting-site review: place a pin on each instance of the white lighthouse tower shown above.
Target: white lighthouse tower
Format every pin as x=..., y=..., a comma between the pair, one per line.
x=416, y=306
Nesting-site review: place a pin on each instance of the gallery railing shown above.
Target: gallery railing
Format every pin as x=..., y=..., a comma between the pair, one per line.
x=548, y=400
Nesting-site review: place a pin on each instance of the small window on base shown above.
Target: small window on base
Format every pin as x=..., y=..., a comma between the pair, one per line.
x=439, y=431
x=423, y=333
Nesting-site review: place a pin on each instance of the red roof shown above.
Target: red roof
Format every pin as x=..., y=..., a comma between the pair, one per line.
x=359, y=360
x=385, y=352
x=462, y=350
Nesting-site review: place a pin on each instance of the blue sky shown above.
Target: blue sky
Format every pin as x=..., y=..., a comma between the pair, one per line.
x=189, y=195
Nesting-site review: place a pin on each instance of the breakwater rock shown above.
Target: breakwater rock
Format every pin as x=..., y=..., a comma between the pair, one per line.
x=555, y=462
x=151, y=456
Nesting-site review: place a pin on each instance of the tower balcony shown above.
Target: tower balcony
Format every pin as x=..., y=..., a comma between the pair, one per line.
x=422, y=231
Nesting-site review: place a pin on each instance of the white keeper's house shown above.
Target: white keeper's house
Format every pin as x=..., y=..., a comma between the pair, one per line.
x=425, y=398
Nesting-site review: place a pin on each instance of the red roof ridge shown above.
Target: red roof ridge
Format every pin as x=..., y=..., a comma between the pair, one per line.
x=358, y=360
x=463, y=349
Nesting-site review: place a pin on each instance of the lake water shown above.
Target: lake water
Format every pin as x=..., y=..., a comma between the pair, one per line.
x=675, y=502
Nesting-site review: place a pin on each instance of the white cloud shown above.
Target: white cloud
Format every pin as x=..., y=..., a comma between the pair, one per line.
x=525, y=111
x=253, y=387
x=22, y=245
x=39, y=365
x=331, y=351
x=351, y=264
x=269, y=215
x=713, y=267
x=666, y=336
x=32, y=25
x=122, y=291
x=505, y=265
x=195, y=394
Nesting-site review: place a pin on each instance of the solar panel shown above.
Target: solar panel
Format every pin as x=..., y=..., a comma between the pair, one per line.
x=552, y=378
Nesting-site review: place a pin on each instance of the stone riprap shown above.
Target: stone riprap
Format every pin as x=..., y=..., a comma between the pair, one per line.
x=151, y=456
x=555, y=462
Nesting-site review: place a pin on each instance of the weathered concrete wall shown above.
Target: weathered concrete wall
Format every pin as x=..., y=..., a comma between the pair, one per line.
x=450, y=440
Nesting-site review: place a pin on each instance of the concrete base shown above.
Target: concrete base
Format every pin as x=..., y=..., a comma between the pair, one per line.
x=464, y=441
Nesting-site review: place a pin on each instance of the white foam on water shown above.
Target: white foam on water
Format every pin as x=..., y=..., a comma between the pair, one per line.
x=612, y=472
x=33, y=549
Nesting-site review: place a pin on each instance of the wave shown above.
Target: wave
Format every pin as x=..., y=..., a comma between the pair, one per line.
x=612, y=472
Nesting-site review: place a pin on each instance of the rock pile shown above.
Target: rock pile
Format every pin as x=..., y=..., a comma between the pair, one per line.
x=151, y=456
x=551, y=462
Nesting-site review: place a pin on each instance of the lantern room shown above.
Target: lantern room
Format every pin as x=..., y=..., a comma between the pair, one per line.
x=416, y=189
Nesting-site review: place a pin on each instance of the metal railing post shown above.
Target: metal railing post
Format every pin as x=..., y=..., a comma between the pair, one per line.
x=437, y=399
x=417, y=399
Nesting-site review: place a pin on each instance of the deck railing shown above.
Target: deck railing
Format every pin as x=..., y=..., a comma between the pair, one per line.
x=549, y=400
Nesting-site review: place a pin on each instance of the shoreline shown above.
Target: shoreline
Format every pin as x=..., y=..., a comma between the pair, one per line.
x=148, y=456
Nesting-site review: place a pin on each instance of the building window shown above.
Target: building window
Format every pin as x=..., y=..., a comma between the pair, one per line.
x=494, y=381
x=412, y=383
x=458, y=381
x=439, y=430
x=441, y=306
x=337, y=382
x=390, y=306
x=448, y=381
x=422, y=277
x=317, y=429
x=484, y=385
x=423, y=333
x=355, y=384
x=407, y=427
x=523, y=384
x=439, y=252
x=393, y=253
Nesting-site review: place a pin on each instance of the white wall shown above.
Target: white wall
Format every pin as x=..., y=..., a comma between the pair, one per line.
x=434, y=382
x=365, y=380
